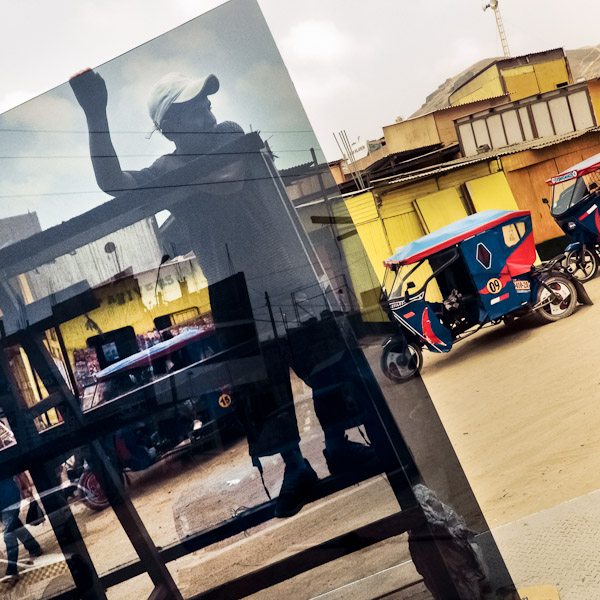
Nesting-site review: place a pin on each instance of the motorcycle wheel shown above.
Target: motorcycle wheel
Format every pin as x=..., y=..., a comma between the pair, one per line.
x=583, y=272
x=93, y=494
x=393, y=370
x=554, y=310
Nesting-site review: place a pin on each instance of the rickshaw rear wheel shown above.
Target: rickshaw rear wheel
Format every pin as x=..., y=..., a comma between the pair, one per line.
x=94, y=496
x=555, y=309
x=396, y=372
x=583, y=272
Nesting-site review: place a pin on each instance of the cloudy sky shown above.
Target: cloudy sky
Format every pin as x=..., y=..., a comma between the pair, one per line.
x=356, y=66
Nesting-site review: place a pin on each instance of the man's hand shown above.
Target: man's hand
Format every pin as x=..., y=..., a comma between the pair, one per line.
x=90, y=90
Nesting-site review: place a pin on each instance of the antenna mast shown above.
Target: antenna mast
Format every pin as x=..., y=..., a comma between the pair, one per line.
x=493, y=4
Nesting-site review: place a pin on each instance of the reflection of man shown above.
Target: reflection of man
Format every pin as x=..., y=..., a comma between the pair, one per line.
x=11, y=490
x=246, y=232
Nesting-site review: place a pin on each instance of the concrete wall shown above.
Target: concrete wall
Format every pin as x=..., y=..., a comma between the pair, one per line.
x=411, y=134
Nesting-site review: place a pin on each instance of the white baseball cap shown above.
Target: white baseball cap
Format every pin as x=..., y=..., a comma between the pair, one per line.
x=175, y=88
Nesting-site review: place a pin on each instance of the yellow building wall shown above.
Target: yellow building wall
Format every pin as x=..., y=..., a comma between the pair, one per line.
x=400, y=200
x=491, y=192
x=550, y=74
x=407, y=213
x=440, y=209
x=485, y=85
x=362, y=208
x=365, y=281
x=521, y=82
x=414, y=133
x=132, y=312
x=529, y=80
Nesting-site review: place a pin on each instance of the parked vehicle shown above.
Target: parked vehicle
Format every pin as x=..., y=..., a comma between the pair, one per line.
x=477, y=271
x=575, y=202
x=185, y=412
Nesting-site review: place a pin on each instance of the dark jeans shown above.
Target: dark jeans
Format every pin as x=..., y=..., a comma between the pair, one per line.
x=14, y=531
x=319, y=355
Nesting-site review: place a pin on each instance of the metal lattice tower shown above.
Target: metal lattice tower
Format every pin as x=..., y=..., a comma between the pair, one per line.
x=493, y=4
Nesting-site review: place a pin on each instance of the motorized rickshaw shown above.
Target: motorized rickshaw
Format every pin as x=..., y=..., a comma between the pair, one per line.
x=575, y=202
x=181, y=422
x=477, y=271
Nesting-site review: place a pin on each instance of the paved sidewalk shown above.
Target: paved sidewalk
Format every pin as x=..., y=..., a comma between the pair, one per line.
x=559, y=546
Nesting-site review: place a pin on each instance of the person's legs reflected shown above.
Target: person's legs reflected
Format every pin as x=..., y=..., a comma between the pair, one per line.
x=10, y=522
x=318, y=356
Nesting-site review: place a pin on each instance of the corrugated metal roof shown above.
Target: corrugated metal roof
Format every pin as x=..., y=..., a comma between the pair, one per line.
x=469, y=160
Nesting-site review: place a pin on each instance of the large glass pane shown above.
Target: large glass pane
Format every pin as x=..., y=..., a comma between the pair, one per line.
x=191, y=365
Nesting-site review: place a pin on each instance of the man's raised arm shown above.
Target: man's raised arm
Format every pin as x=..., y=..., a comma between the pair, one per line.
x=90, y=90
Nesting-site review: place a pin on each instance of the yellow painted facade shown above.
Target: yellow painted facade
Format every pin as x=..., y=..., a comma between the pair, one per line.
x=126, y=303
x=485, y=85
x=521, y=82
x=552, y=73
x=387, y=219
x=491, y=191
x=365, y=281
x=538, y=75
x=440, y=209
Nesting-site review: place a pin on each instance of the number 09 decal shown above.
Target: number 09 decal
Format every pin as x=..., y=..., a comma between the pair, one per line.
x=494, y=285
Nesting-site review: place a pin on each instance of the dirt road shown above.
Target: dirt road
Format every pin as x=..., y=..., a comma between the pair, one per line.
x=518, y=405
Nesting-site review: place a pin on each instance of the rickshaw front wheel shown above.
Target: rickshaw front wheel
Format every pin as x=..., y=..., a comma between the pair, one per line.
x=556, y=308
x=391, y=362
x=583, y=267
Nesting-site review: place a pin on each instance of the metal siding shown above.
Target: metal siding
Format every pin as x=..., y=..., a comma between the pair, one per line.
x=485, y=85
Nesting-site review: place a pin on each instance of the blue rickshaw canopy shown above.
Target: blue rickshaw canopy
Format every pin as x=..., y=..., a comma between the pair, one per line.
x=451, y=234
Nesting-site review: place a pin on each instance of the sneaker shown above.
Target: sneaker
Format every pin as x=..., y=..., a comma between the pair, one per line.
x=36, y=553
x=295, y=489
x=348, y=457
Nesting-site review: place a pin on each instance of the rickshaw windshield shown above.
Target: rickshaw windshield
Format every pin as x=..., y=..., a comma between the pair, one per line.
x=567, y=194
x=422, y=275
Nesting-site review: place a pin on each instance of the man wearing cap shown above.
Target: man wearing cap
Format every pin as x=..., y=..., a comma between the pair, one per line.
x=180, y=110
x=244, y=231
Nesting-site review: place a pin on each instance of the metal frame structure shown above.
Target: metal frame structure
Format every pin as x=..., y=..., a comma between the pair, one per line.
x=41, y=452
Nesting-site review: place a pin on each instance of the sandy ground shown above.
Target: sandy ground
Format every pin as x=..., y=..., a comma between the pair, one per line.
x=518, y=407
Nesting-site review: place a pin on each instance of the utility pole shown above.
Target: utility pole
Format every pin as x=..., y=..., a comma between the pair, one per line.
x=493, y=4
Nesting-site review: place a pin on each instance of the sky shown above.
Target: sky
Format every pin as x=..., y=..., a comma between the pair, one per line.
x=355, y=66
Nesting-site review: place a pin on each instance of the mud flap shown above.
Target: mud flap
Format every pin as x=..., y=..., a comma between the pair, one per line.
x=582, y=295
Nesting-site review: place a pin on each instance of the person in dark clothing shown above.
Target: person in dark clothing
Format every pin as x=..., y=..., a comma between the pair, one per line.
x=11, y=491
x=228, y=224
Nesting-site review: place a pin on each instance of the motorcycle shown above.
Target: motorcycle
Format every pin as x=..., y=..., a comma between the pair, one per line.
x=475, y=272
x=574, y=206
